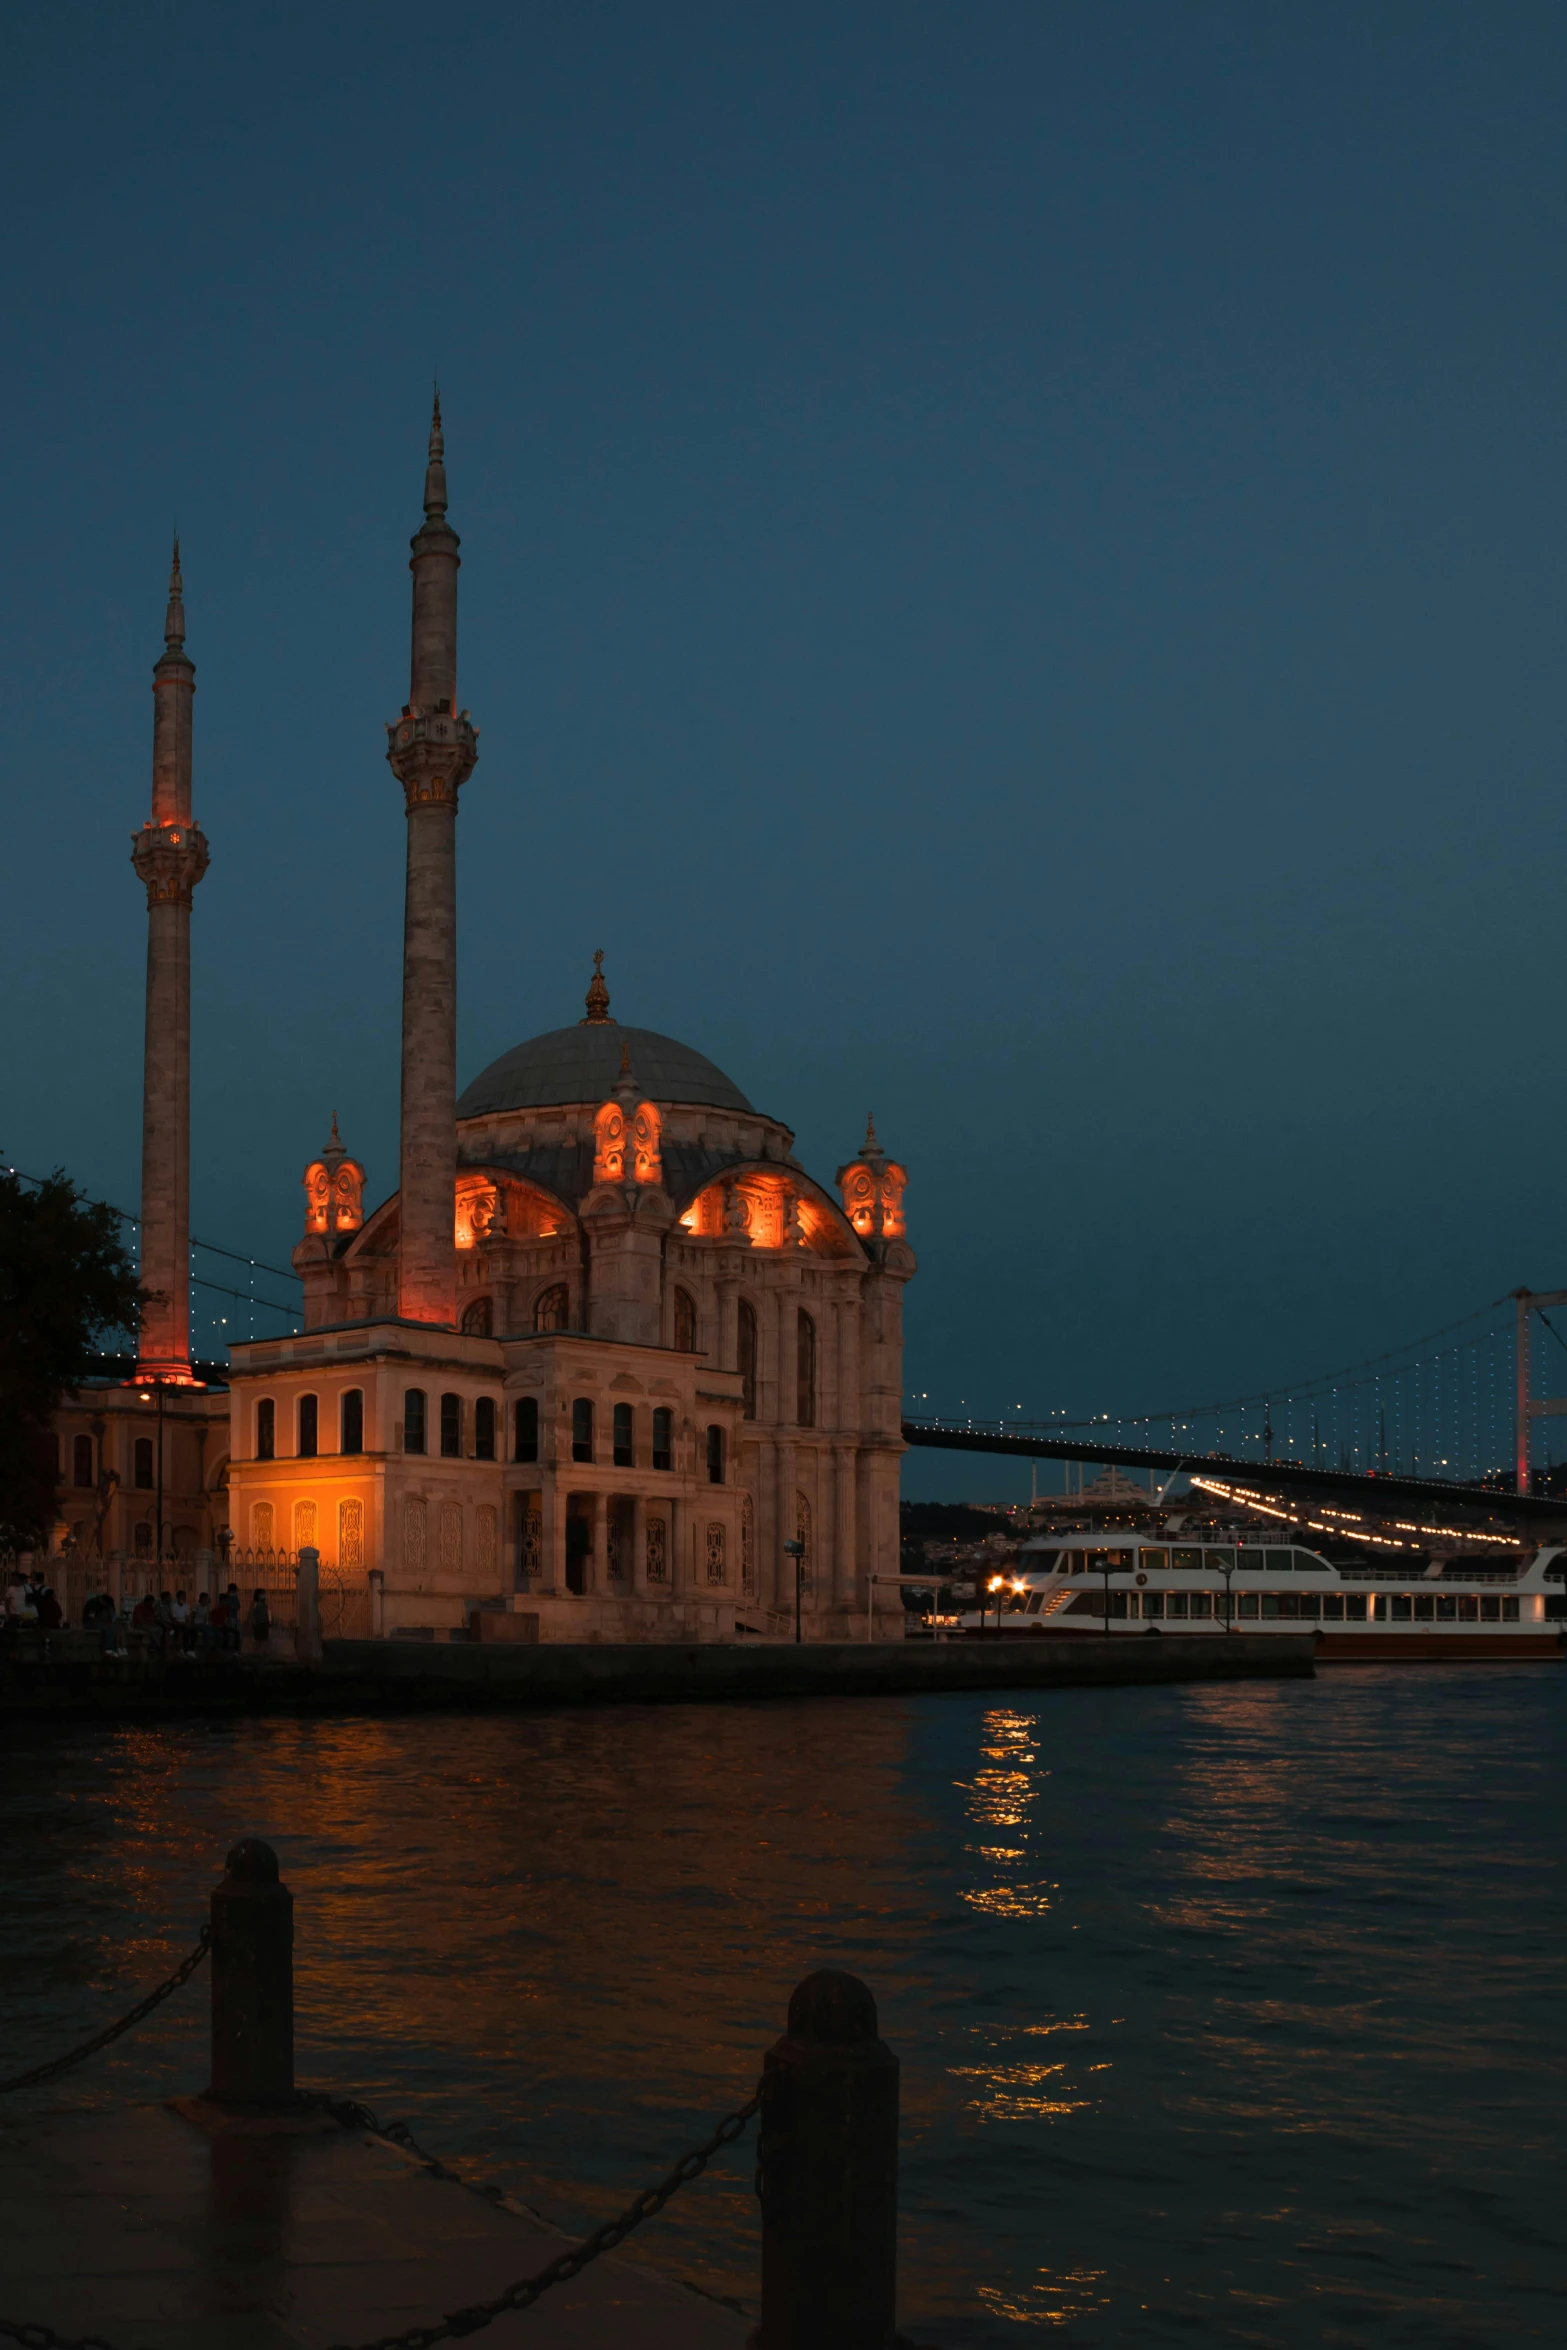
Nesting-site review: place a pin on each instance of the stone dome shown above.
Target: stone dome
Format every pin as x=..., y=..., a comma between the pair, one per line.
x=582, y=1064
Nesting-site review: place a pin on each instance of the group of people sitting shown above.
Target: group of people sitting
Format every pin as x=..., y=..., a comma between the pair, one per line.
x=165, y=1620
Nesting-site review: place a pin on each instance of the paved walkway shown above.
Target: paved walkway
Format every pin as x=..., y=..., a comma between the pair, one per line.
x=157, y=2235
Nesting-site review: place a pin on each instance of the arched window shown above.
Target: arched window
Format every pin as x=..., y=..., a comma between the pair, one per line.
x=552, y=1308
x=413, y=1420
x=685, y=1322
x=479, y=1319
x=307, y=1428
x=484, y=1428
x=141, y=1464
x=81, y=1461
x=351, y=1421
x=625, y=1453
x=715, y=1454
x=451, y=1427
x=526, y=1429
x=663, y=1438
x=582, y=1429
x=746, y=1340
x=805, y=1370
x=266, y=1429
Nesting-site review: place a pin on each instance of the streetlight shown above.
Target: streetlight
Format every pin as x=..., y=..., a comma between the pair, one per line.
x=1227, y=1570
x=796, y=1550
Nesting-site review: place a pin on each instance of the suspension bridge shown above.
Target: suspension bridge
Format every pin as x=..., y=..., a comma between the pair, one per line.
x=1459, y=1420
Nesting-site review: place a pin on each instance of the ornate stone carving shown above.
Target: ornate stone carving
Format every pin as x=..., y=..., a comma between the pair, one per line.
x=657, y=1551
x=170, y=859
x=484, y=1542
x=747, y=1546
x=351, y=1535
x=873, y=1186
x=717, y=1571
x=414, y=1532
x=432, y=752
x=334, y=1189
x=451, y=1537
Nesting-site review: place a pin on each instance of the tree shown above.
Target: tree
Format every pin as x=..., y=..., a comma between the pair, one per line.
x=66, y=1282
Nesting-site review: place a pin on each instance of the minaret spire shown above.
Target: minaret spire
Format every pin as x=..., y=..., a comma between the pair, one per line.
x=170, y=857
x=431, y=750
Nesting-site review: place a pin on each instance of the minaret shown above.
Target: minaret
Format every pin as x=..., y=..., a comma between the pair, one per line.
x=431, y=750
x=170, y=856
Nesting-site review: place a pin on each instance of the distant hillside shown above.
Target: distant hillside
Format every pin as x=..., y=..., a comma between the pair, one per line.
x=951, y=1521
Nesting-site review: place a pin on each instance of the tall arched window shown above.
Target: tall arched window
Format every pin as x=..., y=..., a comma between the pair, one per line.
x=413, y=1420
x=479, y=1319
x=715, y=1454
x=484, y=1428
x=582, y=1429
x=307, y=1428
x=525, y=1433
x=141, y=1464
x=663, y=1438
x=81, y=1461
x=805, y=1370
x=625, y=1448
x=552, y=1308
x=685, y=1322
x=451, y=1427
x=351, y=1421
x=266, y=1429
x=746, y=1339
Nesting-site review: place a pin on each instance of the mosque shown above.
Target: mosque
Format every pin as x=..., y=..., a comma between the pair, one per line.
x=607, y=1365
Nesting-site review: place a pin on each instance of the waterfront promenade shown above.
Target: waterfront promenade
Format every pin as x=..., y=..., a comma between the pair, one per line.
x=161, y=2235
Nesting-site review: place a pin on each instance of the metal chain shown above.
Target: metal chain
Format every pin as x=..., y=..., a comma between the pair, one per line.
x=522, y=2295
x=47, y=2072
x=527, y=2290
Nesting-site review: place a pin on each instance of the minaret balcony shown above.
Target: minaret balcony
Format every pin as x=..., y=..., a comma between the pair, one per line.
x=432, y=752
x=170, y=859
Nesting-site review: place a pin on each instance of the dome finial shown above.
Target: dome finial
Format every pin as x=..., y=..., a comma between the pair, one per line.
x=597, y=998
x=870, y=1143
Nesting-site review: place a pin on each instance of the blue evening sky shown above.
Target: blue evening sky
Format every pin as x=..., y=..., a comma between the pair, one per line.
x=1014, y=566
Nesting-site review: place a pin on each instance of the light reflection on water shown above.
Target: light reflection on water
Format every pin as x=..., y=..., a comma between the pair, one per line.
x=1221, y=2010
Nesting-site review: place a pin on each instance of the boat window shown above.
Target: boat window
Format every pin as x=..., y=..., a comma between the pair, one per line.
x=1219, y=1558
x=1425, y=1608
x=1402, y=1607
x=1509, y=1611
x=1446, y=1607
x=1156, y=1560
x=1175, y=1603
x=1042, y=1562
x=1333, y=1607
x=1153, y=1603
x=1308, y=1605
x=1490, y=1611
x=1307, y=1563
x=1036, y=1600
x=1202, y=1603
x=1354, y=1607
x=1254, y=1562
x=1187, y=1561
x=1250, y=1603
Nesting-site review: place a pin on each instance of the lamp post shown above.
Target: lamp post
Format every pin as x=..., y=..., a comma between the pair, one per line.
x=1228, y=1572
x=796, y=1550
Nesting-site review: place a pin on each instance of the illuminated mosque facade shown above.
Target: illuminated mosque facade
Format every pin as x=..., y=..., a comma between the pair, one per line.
x=606, y=1353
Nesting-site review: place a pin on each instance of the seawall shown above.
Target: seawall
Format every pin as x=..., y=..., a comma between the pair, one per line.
x=396, y=1676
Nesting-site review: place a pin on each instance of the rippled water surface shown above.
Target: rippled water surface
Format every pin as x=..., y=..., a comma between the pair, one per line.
x=1233, y=2014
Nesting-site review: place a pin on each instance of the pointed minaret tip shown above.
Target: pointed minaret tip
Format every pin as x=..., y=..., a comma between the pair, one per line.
x=334, y=1139
x=870, y=1143
x=435, y=468
x=174, y=617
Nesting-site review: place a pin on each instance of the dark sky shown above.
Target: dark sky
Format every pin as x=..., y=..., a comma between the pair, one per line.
x=1013, y=574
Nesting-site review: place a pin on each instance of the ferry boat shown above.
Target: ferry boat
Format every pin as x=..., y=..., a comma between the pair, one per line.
x=1419, y=1605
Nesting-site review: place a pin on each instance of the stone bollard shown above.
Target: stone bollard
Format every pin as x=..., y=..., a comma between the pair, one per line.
x=829, y=2174
x=307, y=1607
x=377, y=1604
x=252, y=1981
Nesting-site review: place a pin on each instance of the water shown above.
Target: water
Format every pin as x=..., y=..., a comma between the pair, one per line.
x=1232, y=2013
